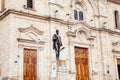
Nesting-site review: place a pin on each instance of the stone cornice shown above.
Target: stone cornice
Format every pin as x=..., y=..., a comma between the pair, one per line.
x=115, y=1
x=69, y=33
x=29, y=41
x=56, y=4
x=78, y=1
x=100, y=16
x=106, y=30
x=48, y=18
x=23, y=30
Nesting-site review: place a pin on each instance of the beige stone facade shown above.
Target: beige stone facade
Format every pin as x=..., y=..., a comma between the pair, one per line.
x=97, y=32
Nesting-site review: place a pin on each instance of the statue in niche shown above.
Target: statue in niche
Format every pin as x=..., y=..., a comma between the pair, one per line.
x=57, y=43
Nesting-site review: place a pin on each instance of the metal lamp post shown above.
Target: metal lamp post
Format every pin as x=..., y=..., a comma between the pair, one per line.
x=37, y=40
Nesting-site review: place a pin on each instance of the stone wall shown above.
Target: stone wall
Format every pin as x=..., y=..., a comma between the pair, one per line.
x=5, y=46
x=97, y=33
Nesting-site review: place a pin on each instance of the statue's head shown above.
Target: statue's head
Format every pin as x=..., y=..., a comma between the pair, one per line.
x=57, y=31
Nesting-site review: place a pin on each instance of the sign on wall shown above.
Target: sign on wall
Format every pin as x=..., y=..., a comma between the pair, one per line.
x=62, y=68
x=53, y=70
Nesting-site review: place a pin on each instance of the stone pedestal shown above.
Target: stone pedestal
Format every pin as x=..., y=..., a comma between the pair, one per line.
x=59, y=71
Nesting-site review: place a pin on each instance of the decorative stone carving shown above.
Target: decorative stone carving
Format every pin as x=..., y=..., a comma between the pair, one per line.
x=29, y=34
x=82, y=33
x=115, y=1
x=29, y=41
x=31, y=28
x=78, y=1
x=116, y=47
x=72, y=34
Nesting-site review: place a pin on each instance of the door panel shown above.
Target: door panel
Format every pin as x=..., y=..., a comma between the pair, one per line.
x=29, y=64
x=81, y=62
x=118, y=66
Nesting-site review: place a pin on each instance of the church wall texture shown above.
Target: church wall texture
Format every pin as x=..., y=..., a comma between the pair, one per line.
x=5, y=46
x=97, y=33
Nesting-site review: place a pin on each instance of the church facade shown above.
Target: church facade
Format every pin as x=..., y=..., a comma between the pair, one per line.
x=89, y=30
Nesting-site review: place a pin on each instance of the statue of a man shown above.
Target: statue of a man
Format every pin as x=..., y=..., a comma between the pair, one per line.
x=57, y=43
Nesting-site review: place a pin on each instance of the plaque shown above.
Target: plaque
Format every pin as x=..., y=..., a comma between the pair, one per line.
x=53, y=70
x=59, y=70
x=62, y=68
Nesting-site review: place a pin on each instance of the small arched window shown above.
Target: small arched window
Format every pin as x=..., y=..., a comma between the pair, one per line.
x=29, y=3
x=75, y=15
x=116, y=14
x=80, y=15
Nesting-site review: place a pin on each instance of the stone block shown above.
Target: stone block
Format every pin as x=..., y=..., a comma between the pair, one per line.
x=59, y=70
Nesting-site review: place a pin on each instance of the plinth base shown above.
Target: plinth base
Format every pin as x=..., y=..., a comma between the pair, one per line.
x=59, y=71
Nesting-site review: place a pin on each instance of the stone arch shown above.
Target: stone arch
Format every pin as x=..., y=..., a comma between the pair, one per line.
x=93, y=6
x=91, y=3
x=85, y=31
x=87, y=8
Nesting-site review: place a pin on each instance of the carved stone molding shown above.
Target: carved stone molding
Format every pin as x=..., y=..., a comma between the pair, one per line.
x=114, y=43
x=100, y=16
x=30, y=34
x=48, y=18
x=78, y=1
x=30, y=41
x=116, y=47
x=72, y=34
x=82, y=23
x=115, y=51
x=22, y=13
x=57, y=4
x=115, y=1
x=86, y=32
x=31, y=28
x=91, y=37
x=79, y=31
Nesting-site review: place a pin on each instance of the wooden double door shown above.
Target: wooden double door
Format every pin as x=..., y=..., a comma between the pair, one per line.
x=29, y=64
x=81, y=62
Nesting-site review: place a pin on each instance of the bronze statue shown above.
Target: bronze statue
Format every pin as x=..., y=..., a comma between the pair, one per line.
x=57, y=43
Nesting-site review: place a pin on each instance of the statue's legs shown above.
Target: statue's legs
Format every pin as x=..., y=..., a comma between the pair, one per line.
x=57, y=55
x=57, y=52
